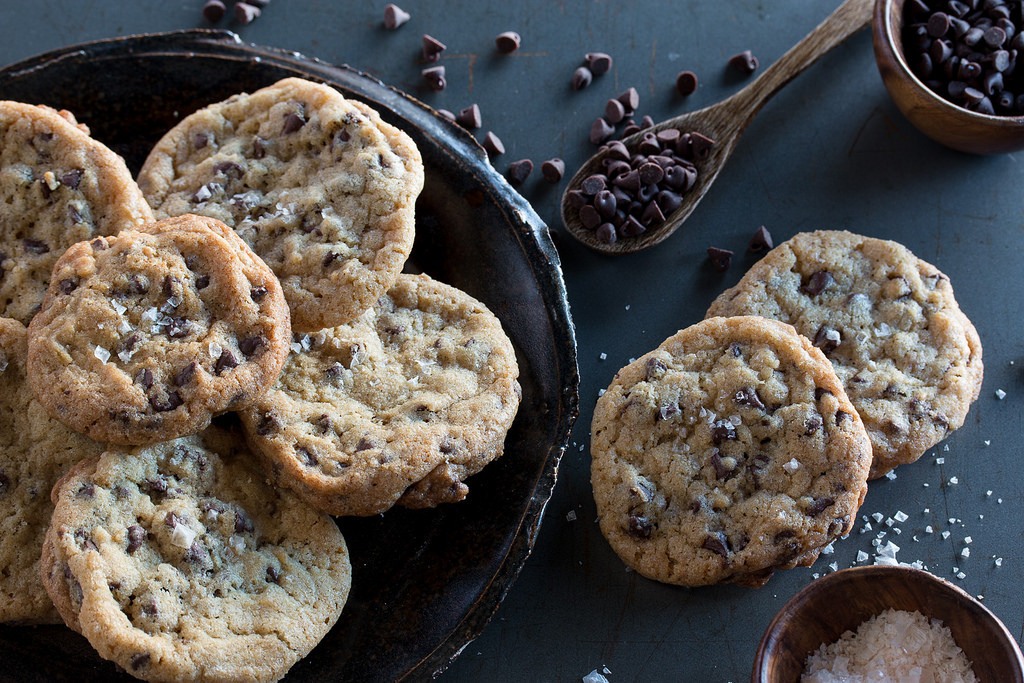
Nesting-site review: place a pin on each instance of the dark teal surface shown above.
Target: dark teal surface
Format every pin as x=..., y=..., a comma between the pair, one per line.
x=830, y=151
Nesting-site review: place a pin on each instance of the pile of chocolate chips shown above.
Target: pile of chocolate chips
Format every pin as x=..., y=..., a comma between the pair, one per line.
x=966, y=51
x=638, y=190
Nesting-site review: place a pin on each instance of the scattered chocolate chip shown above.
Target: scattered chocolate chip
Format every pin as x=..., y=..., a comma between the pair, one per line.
x=178, y=327
x=720, y=258
x=493, y=145
x=508, y=42
x=246, y=13
x=599, y=63
x=72, y=178
x=163, y=405
x=721, y=471
x=136, y=537
x=434, y=75
x=213, y=11
x=139, y=660
x=519, y=171
x=394, y=16
x=716, y=544
x=272, y=575
x=470, y=117
x=686, y=83
x=432, y=48
x=200, y=140
x=614, y=111
x=268, y=424
x=630, y=99
x=744, y=62
x=819, y=392
x=581, y=78
x=722, y=430
x=307, y=457
x=68, y=285
x=812, y=424
x=553, y=170
x=243, y=523
x=600, y=131
x=761, y=241
x=817, y=283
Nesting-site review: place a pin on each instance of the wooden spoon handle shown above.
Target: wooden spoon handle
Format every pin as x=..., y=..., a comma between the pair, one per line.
x=847, y=19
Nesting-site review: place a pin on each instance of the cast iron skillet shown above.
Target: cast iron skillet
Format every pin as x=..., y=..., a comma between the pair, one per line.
x=424, y=582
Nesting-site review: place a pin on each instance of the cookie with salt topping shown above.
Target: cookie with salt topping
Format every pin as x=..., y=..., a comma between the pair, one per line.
x=146, y=335
x=728, y=452
x=35, y=451
x=178, y=562
x=908, y=357
x=58, y=186
x=318, y=185
x=399, y=406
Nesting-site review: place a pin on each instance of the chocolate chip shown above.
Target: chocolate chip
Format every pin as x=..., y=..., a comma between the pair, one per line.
x=761, y=241
x=812, y=424
x=72, y=178
x=432, y=48
x=250, y=345
x=581, y=78
x=686, y=83
x=519, y=171
x=827, y=339
x=143, y=376
x=243, y=523
x=748, y=397
x=722, y=430
x=818, y=506
x=639, y=526
x=163, y=405
x=186, y=374
x=33, y=246
x=599, y=63
x=394, y=16
x=600, y=130
x=5, y=484
x=508, y=42
x=470, y=117
x=213, y=11
x=225, y=361
x=553, y=170
x=200, y=140
x=744, y=62
x=139, y=660
x=68, y=285
x=178, y=327
x=136, y=537
x=493, y=145
x=716, y=543
x=272, y=575
x=817, y=283
x=268, y=424
x=435, y=77
x=720, y=258
x=307, y=457
x=721, y=471
x=614, y=111
x=630, y=99
x=700, y=146
x=606, y=233
x=293, y=121
x=819, y=392
x=246, y=13
x=783, y=535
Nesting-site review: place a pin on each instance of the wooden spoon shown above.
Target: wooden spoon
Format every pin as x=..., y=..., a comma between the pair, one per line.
x=724, y=123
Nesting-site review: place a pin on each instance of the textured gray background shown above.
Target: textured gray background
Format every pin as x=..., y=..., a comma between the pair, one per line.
x=830, y=151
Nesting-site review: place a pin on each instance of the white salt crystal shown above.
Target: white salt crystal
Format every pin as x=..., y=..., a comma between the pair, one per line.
x=828, y=550
x=968, y=540
x=878, y=517
x=998, y=562
x=215, y=349
x=102, y=354
x=570, y=516
x=603, y=356
x=945, y=535
x=182, y=536
x=891, y=475
x=928, y=529
x=892, y=646
x=940, y=461
x=791, y=466
x=595, y=676
x=965, y=553
x=900, y=516
x=862, y=556
x=1000, y=394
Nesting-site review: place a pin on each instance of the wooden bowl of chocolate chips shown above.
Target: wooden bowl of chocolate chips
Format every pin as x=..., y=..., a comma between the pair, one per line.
x=952, y=68
x=886, y=622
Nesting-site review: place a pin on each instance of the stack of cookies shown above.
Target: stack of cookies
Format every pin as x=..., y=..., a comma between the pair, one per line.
x=254, y=269
x=743, y=444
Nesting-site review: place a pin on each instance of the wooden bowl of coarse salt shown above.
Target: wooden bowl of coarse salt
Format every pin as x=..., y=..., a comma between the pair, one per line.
x=903, y=623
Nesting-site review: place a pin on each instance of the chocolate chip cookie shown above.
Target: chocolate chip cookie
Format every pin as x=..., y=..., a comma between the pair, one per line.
x=35, y=450
x=726, y=453
x=909, y=358
x=146, y=335
x=398, y=406
x=318, y=185
x=177, y=562
x=58, y=186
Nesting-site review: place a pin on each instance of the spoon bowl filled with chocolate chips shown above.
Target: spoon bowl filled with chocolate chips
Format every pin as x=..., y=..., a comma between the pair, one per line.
x=952, y=68
x=634, y=193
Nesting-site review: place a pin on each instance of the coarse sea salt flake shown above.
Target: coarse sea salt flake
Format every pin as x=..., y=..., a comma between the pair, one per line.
x=940, y=461
x=968, y=540
x=862, y=556
x=1000, y=394
x=998, y=562
x=890, y=475
x=877, y=516
x=928, y=529
x=182, y=536
x=595, y=676
x=792, y=466
x=828, y=550
x=901, y=516
x=945, y=535
x=603, y=356
x=965, y=553
x=215, y=349
x=570, y=516
x=102, y=354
